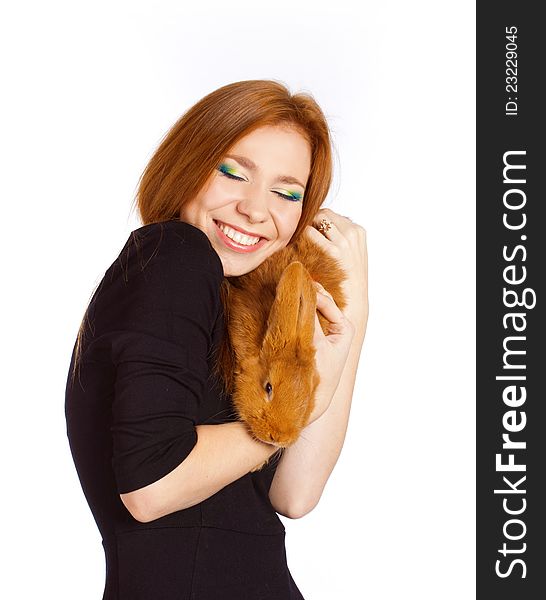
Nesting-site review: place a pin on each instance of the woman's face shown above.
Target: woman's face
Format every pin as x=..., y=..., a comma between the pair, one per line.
x=251, y=205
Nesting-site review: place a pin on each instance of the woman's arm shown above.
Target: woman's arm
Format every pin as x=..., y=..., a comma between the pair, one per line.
x=305, y=466
x=222, y=454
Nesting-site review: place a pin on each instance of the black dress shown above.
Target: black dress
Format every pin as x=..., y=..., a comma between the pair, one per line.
x=143, y=383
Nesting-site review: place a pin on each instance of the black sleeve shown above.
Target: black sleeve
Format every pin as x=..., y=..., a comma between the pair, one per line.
x=168, y=300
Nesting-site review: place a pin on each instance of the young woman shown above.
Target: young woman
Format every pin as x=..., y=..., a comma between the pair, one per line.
x=164, y=464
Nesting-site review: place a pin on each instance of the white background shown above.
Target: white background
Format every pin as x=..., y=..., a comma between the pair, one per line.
x=89, y=90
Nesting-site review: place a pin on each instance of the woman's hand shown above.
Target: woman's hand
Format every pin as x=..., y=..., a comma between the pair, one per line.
x=346, y=242
x=331, y=350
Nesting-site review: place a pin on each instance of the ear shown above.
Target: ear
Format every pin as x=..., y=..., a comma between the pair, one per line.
x=292, y=316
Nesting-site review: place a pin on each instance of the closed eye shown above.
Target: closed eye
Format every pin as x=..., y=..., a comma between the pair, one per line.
x=228, y=172
x=225, y=170
x=293, y=197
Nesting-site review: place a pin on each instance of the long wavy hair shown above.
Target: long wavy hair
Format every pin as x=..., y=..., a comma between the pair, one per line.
x=193, y=147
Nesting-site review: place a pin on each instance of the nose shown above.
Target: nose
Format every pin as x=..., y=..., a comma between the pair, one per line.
x=254, y=207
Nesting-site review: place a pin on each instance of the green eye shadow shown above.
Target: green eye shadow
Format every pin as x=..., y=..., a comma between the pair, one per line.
x=232, y=172
x=227, y=169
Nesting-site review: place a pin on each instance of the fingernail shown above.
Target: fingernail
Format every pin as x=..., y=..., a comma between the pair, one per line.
x=318, y=285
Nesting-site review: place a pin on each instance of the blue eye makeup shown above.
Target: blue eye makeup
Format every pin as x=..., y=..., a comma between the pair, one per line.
x=229, y=172
x=294, y=196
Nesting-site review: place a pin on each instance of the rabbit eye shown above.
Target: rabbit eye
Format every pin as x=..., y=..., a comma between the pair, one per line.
x=268, y=389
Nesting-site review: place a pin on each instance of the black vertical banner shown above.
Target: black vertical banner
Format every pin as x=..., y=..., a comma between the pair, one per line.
x=511, y=336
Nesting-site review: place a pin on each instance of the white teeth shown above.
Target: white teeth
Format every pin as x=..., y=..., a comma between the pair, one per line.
x=240, y=238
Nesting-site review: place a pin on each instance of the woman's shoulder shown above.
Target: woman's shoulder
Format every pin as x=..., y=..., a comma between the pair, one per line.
x=163, y=267
x=174, y=244
x=159, y=263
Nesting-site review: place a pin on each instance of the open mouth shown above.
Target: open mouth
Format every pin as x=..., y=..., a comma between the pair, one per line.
x=236, y=238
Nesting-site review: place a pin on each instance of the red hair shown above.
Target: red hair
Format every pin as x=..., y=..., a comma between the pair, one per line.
x=194, y=146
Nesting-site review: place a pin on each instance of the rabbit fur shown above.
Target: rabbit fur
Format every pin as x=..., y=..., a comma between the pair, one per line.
x=266, y=359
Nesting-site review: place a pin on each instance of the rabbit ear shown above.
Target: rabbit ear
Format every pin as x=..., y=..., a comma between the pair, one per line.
x=292, y=316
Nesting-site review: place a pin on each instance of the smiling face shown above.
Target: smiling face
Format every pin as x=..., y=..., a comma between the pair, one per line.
x=252, y=203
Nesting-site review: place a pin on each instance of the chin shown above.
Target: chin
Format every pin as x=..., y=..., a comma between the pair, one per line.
x=238, y=271
x=244, y=267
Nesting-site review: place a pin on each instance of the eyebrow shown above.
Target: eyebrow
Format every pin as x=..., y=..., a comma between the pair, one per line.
x=248, y=164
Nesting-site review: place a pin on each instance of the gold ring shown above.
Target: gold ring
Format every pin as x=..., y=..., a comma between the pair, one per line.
x=325, y=226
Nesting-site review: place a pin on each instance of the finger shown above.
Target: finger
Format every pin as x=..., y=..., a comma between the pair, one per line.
x=330, y=231
x=319, y=334
x=316, y=236
x=320, y=288
x=329, y=309
x=326, y=245
x=341, y=223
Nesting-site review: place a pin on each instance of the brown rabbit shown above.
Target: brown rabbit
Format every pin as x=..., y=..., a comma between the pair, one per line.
x=267, y=357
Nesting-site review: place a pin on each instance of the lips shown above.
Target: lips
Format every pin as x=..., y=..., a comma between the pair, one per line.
x=240, y=229
x=233, y=245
